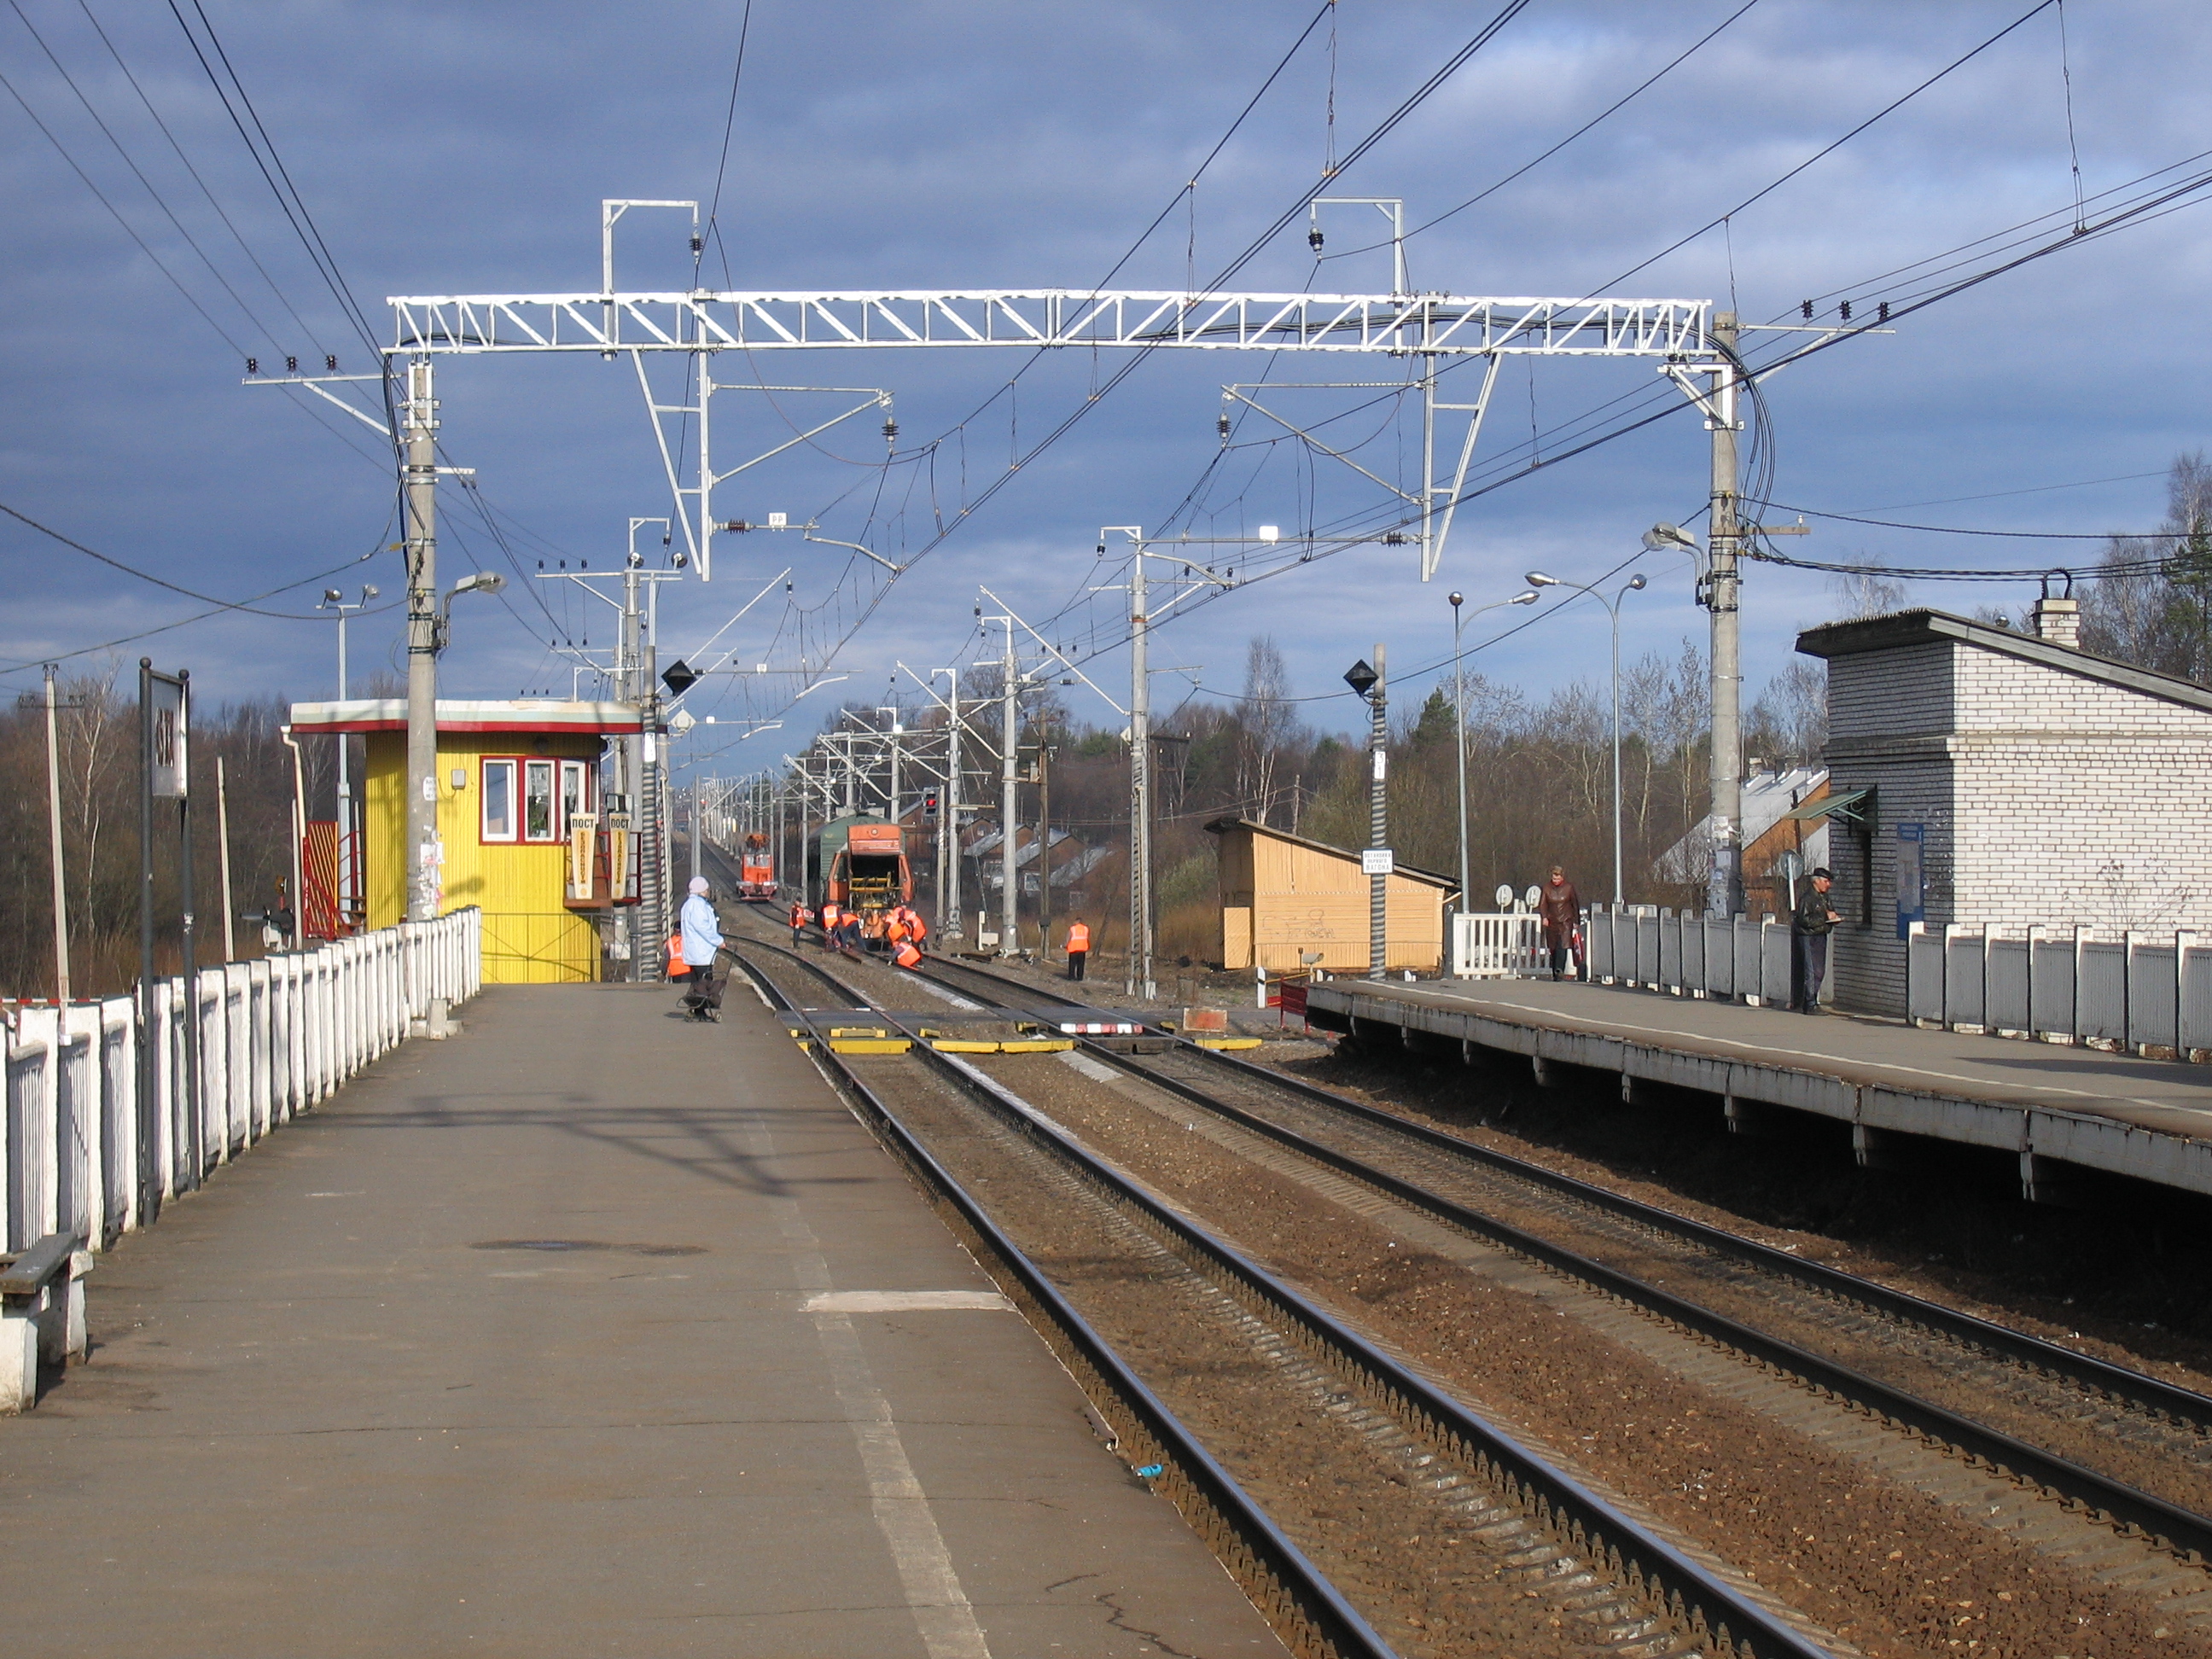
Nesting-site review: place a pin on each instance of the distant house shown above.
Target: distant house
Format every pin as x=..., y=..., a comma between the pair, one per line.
x=1984, y=777
x=1284, y=897
x=1770, y=829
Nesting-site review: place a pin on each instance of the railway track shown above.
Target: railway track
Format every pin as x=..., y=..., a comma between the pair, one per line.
x=1609, y=1578
x=2142, y=1423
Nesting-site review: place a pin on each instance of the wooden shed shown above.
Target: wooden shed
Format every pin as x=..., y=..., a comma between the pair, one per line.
x=1283, y=897
x=520, y=818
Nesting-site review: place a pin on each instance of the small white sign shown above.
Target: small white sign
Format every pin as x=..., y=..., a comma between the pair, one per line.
x=1382, y=764
x=1377, y=861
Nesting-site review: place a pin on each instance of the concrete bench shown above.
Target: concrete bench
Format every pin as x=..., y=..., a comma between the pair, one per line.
x=41, y=1314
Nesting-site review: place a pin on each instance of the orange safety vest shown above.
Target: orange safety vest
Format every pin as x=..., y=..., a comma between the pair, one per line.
x=829, y=915
x=913, y=927
x=678, y=967
x=1078, y=938
x=895, y=931
x=907, y=956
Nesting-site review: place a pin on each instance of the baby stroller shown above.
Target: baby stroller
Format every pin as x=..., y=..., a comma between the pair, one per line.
x=702, y=990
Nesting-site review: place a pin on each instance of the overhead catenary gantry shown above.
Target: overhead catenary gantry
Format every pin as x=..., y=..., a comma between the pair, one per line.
x=1436, y=327
x=1440, y=329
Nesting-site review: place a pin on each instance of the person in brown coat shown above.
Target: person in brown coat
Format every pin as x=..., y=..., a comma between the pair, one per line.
x=1561, y=910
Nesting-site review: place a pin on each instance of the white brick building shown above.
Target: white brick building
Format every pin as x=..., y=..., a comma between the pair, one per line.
x=2041, y=785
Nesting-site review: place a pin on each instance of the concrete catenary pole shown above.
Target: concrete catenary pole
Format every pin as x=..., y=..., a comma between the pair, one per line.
x=1139, y=974
x=1724, y=889
x=1378, y=822
x=1009, y=934
x=948, y=821
x=421, y=548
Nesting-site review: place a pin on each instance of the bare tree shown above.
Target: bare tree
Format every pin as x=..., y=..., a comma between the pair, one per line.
x=1867, y=591
x=1267, y=723
x=2151, y=603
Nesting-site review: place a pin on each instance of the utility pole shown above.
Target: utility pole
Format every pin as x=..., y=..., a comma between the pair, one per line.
x=420, y=419
x=1139, y=969
x=948, y=822
x=1724, y=893
x=1009, y=913
x=1367, y=683
x=54, y=829
x=1378, y=883
x=222, y=862
x=1045, y=751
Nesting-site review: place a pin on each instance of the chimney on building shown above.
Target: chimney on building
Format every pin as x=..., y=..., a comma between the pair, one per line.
x=2058, y=622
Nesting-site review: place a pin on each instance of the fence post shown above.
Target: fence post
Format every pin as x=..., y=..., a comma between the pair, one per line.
x=2128, y=1043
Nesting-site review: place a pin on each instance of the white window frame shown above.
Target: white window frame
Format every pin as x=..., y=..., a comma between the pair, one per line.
x=551, y=771
x=513, y=800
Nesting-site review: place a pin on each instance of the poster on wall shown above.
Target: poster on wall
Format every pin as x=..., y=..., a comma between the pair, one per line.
x=1912, y=878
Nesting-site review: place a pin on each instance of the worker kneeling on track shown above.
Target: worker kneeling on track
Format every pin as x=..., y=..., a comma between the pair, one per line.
x=703, y=939
x=906, y=955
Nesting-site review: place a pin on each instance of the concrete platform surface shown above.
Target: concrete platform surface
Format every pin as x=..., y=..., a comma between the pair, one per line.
x=509, y=1350
x=2146, y=1118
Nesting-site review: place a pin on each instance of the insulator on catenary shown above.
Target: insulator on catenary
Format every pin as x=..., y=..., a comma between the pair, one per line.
x=1844, y=311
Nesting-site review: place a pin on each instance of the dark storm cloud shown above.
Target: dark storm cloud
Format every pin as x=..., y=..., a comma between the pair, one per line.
x=457, y=149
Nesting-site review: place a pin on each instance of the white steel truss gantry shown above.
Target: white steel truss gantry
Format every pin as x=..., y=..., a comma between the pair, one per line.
x=1402, y=323
x=703, y=322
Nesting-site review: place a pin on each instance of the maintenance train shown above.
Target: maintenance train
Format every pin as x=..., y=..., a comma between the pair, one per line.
x=756, y=873
x=860, y=863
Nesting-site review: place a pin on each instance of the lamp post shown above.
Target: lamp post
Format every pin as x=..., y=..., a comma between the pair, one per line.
x=334, y=600
x=1368, y=683
x=1459, y=712
x=1538, y=579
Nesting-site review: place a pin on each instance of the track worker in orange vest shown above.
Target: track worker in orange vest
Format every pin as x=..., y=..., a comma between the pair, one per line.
x=895, y=933
x=905, y=955
x=800, y=915
x=829, y=926
x=1079, y=947
x=916, y=929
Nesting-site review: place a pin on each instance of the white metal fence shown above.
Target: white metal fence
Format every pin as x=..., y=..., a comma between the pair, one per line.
x=1497, y=944
x=2140, y=993
x=1688, y=954
x=275, y=1037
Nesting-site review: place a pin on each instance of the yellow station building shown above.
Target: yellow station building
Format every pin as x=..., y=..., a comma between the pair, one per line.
x=521, y=829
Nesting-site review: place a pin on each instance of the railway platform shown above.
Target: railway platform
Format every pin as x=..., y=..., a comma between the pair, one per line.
x=588, y=1331
x=2058, y=1109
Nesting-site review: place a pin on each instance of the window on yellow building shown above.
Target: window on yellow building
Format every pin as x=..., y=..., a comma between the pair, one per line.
x=576, y=793
x=499, y=800
x=538, y=800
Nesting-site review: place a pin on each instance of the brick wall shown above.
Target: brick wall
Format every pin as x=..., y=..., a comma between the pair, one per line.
x=2047, y=798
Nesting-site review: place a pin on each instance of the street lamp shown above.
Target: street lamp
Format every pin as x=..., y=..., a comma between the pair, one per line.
x=1459, y=712
x=1538, y=579
x=334, y=600
x=483, y=582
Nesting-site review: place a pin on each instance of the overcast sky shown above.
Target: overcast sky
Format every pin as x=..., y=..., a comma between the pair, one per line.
x=456, y=150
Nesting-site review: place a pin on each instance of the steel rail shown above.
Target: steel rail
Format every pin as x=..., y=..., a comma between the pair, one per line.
x=2180, y=1529
x=1624, y=1547
x=2150, y=1393
x=1292, y=1594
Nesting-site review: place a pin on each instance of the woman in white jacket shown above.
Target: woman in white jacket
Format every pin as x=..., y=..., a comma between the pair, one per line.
x=702, y=937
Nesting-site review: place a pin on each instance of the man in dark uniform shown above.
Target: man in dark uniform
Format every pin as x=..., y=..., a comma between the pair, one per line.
x=1810, y=924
